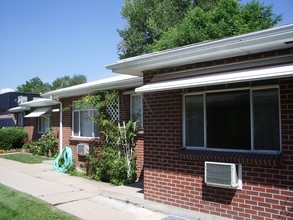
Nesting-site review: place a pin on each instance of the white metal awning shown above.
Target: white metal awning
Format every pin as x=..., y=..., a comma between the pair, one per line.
x=221, y=78
x=19, y=109
x=41, y=102
x=37, y=112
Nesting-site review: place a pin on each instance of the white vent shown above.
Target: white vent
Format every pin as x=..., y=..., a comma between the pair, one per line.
x=82, y=149
x=21, y=99
x=226, y=175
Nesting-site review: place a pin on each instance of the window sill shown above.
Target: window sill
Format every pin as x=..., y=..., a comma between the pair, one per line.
x=81, y=139
x=266, y=160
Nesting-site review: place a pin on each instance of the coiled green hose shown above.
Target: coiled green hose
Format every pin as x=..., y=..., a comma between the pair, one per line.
x=66, y=155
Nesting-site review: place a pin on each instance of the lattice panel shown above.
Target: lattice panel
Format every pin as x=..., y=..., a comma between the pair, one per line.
x=113, y=110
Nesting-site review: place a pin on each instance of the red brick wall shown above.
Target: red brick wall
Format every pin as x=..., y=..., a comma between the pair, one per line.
x=175, y=177
x=31, y=127
x=139, y=154
x=68, y=140
x=124, y=107
x=67, y=119
x=173, y=180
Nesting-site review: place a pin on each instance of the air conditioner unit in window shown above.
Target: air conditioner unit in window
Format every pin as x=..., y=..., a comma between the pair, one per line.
x=82, y=149
x=225, y=175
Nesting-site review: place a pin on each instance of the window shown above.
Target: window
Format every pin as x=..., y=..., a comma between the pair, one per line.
x=228, y=120
x=44, y=122
x=245, y=120
x=266, y=119
x=20, y=119
x=82, y=122
x=194, y=120
x=136, y=109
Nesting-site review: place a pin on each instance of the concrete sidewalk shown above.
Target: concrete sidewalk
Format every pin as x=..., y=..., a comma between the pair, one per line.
x=86, y=199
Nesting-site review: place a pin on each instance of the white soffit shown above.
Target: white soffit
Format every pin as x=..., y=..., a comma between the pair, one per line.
x=19, y=109
x=37, y=112
x=222, y=78
x=40, y=103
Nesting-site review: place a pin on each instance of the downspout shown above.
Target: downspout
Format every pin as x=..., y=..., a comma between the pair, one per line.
x=60, y=124
x=61, y=127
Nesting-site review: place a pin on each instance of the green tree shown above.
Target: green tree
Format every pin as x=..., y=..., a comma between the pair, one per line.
x=146, y=21
x=61, y=82
x=66, y=81
x=155, y=25
x=227, y=18
x=34, y=85
x=77, y=79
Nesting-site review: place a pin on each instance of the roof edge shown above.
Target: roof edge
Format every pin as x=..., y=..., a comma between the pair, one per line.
x=117, y=82
x=231, y=46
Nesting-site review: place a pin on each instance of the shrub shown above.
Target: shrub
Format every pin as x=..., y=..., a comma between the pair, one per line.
x=47, y=145
x=12, y=138
x=112, y=159
x=111, y=167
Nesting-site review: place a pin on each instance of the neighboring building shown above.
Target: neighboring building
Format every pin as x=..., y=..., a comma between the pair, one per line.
x=75, y=127
x=218, y=125
x=11, y=100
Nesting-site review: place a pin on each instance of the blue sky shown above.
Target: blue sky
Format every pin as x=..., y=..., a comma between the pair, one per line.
x=54, y=38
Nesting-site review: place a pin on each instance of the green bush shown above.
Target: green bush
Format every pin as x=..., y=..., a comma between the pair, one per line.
x=47, y=145
x=115, y=162
x=12, y=138
x=111, y=167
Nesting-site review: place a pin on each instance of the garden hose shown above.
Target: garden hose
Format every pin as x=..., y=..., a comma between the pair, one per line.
x=64, y=160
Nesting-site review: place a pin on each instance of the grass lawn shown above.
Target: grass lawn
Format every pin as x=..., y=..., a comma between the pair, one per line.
x=25, y=158
x=20, y=206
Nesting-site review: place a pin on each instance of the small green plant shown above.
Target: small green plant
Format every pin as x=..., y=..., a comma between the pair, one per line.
x=12, y=138
x=72, y=171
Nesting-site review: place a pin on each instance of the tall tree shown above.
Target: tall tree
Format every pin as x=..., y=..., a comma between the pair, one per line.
x=227, y=18
x=66, y=81
x=199, y=20
x=34, y=85
x=146, y=21
x=77, y=79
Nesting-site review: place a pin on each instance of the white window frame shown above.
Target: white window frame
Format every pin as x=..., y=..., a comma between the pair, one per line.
x=251, y=89
x=40, y=120
x=91, y=110
x=141, y=105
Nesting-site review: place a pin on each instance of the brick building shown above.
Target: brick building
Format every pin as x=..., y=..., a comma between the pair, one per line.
x=74, y=127
x=218, y=125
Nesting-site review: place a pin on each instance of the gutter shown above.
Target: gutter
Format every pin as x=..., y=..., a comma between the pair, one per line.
x=119, y=82
x=255, y=42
